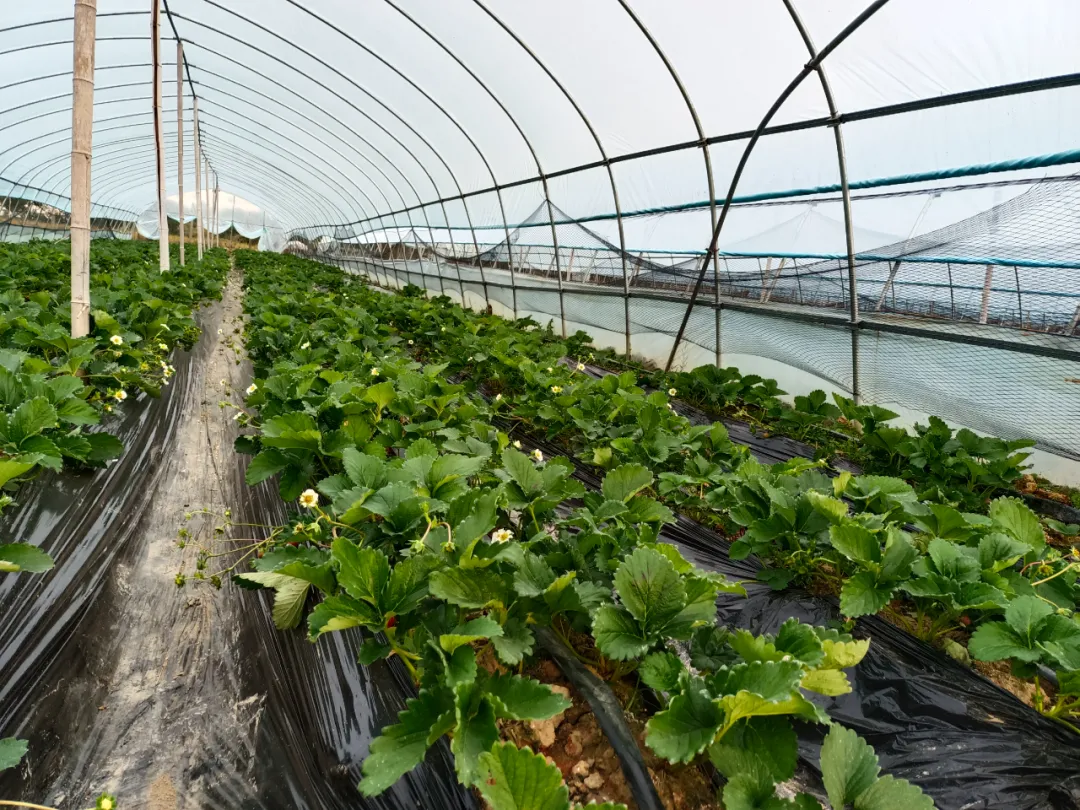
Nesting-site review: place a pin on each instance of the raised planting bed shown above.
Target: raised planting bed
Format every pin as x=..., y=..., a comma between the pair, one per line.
x=419, y=520
x=68, y=409
x=880, y=543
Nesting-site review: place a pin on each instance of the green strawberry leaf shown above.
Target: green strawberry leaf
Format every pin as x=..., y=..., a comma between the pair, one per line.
x=626, y=481
x=15, y=557
x=685, y=728
x=402, y=746
x=518, y=698
x=11, y=752
x=469, y=632
x=849, y=766
x=661, y=671
x=512, y=778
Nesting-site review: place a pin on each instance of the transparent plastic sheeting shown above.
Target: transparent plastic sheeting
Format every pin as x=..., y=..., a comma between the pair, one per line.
x=233, y=213
x=1002, y=390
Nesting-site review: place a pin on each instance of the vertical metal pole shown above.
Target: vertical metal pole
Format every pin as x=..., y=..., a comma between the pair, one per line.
x=198, y=179
x=82, y=138
x=988, y=281
x=159, y=139
x=180, y=139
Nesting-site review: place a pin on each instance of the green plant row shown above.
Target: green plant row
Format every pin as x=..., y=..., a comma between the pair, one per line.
x=424, y=524
x=882, y=546
x=54, y=388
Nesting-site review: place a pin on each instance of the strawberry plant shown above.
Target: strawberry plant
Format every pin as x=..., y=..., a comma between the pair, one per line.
x=422, y=524
x=53, y=386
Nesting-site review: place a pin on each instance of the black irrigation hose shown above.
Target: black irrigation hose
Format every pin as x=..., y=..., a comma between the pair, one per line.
x=609, y=714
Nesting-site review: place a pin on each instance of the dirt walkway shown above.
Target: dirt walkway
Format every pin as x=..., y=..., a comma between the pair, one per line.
x=169, y=715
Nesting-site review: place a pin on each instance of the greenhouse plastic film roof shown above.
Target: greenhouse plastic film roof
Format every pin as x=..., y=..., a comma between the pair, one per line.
x=885, y=153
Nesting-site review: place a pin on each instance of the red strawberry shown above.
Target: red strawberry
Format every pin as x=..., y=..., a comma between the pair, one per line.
x=391, y=622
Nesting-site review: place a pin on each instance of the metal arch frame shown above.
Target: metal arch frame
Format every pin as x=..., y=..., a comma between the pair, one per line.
x=120, y=174
x=845, y=192
x=436, y=104
x=706, y=154
x=810, y=66
x=370, y=95
x=525, y=138
x=47, y=77
x=869, y=114
x=347, y=102
x=53, y=43
x=53, y=143
x=347, y=144
x=37, y=168
x=321, y=110
x=316, y=200
x=141, y=138
x=122, y=171
x=605, y=161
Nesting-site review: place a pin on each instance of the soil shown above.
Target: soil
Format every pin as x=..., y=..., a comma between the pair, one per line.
x=1000, y=673
x=574, y=743
x=162, y=724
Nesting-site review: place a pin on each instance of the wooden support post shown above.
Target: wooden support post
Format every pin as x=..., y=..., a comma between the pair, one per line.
x=159, y=139
x=774, y=279
x=1075, y=322
x=82, y=139
x=180, y=139
x=984, y=313
x=888, y=285
x=198, y=181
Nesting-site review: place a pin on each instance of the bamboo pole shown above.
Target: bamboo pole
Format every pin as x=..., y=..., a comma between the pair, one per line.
x=206, y=213
x=198, y=180
x=180, y=138
x=159, y=139
x=82, y=139
x=217, y=212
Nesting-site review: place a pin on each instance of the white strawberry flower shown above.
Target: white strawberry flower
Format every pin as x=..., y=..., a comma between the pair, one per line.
x=375, y=372
x=556, y=389
x=116, y=340
x=120, y=395
x=498, y=397
x=536, y=454
x=517, y=444
x=309, y=499
x=410, y=343
x=305, y=345
x=550, y=369
x=502, y=536
x=251, y=389
x=671, y=392
x=162, y=347
x=580, y=366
